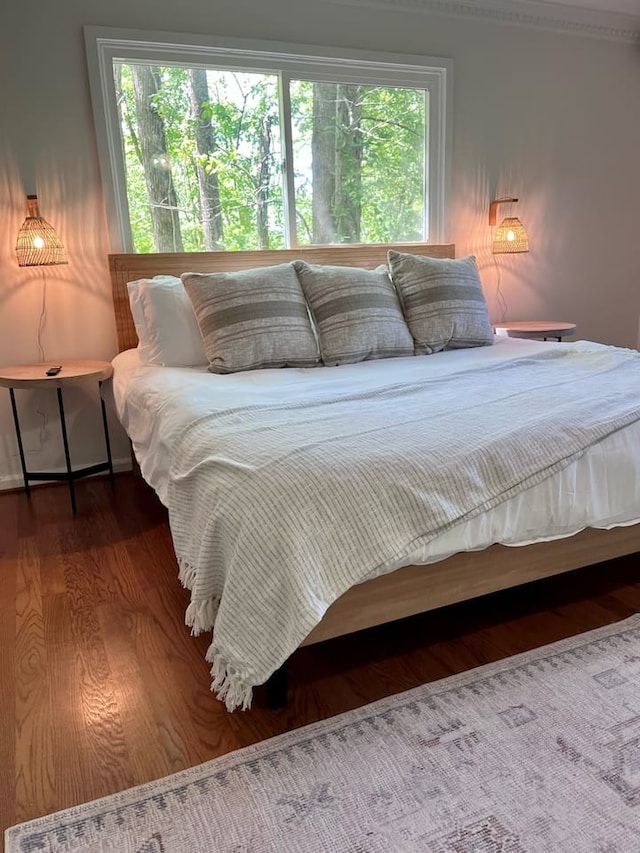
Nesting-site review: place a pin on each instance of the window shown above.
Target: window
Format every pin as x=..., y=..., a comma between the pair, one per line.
x=208, y=147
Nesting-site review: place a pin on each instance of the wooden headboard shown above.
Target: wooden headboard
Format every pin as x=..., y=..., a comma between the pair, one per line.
x=125, y=268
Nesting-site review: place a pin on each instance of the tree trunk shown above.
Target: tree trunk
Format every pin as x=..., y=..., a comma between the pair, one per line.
x=157, y=168
x=323, y=165
x=125, y=117
x=336, y=147
x=347, y=205
x=210, y=207
x=262, y=194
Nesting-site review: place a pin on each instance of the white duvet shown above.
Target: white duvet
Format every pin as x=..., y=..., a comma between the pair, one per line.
x=601, y=489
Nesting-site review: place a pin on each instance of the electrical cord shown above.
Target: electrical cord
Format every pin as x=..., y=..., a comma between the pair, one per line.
x=41, y=324
x=43, y=317
x=500, y=298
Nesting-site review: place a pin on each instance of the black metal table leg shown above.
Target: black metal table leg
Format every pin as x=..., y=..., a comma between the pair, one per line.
x=14, y=409
x=65, y=441
x=106, y=432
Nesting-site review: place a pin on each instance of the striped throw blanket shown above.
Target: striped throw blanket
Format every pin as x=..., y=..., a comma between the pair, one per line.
x=276, y=511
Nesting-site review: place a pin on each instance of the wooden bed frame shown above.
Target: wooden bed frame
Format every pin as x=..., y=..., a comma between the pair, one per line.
x=412, y=589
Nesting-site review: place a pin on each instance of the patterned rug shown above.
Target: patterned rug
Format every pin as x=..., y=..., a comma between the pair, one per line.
x=539, y=752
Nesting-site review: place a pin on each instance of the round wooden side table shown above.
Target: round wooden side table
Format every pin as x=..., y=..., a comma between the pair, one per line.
x=29, y=376
x=536, y=329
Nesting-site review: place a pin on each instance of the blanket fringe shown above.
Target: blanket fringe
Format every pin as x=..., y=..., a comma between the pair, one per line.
x=200, y=615
x=227, y=684
x=187, y=574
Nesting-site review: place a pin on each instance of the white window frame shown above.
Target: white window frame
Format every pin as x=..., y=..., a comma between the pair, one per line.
x=104, y=45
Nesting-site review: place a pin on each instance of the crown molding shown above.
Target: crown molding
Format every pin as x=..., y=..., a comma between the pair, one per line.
x=540, y=14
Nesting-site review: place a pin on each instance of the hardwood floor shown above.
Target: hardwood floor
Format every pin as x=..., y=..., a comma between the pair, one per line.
x=102, y=687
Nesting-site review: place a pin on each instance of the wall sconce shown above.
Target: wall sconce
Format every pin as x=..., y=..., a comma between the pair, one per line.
x=38, y=245
x=510, y=236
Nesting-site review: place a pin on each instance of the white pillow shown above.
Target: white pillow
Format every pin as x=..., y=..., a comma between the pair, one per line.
x=135, y=303
x=166, y=323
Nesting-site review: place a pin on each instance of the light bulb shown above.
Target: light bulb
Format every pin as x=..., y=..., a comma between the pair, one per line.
x=38, y=243
x=511, y=236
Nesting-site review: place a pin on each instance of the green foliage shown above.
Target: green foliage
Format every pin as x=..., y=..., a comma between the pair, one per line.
x=382, y=168
x=391, y=175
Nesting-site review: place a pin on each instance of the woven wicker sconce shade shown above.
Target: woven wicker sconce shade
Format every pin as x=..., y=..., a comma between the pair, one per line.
x=510, y=236
x=38, y=244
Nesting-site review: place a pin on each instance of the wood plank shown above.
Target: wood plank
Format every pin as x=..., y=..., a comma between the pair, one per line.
x=34, y=771
x=8, y=657
x=96, y=694
x=71, y=757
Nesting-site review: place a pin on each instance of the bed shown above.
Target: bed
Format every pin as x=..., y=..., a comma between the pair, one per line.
x=471, y=558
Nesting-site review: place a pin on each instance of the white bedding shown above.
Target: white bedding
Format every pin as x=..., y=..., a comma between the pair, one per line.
x=256, y=467
x=601, y=489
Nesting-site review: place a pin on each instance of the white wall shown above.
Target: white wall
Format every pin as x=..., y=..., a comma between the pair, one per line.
x=552, y=118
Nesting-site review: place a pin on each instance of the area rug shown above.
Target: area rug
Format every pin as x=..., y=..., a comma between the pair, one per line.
x=539, y=752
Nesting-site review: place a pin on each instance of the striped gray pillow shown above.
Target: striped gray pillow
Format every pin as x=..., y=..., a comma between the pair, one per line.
x=442, y=300
x=357, y=313
x=253, y=319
